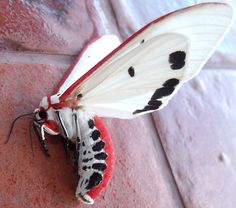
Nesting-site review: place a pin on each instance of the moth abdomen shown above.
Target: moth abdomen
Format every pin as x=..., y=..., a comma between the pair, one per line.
x=96, y=159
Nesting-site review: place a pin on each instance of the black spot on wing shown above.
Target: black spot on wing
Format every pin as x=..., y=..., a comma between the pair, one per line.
x=171, y=82
x=162, y=92
x=79, y=95
x=99, y=166
x=94, y=180
x=142, y=41
x=98, y=146
x=91, y=124
x=101, y=156
x=152, y=105
x=131, y=71
x=95, y=135
x=138, y=111
x=141, y=111
x=155, y=103
x=177, y=60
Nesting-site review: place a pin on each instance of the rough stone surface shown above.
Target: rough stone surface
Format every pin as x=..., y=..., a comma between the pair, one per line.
x=142, y=177
x=61, y=27
x=197, y=130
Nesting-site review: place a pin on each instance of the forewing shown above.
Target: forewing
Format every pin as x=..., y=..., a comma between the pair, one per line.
x=138, y=78
x=143, y=74
x=88, y=58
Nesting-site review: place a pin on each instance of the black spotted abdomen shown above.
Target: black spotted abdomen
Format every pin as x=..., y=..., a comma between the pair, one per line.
x=96, y=158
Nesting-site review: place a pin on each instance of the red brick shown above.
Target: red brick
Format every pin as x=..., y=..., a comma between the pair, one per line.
x=61, y=27
x=142, y=177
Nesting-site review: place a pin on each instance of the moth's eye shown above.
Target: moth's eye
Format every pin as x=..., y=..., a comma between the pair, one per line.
x=42, y=115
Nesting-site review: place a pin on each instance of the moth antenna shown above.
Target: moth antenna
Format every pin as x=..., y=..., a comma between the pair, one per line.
x=13, y=124
x=30, y=136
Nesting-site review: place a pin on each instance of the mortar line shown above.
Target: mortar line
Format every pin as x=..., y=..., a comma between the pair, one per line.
x=168, y=163
x=12, y=57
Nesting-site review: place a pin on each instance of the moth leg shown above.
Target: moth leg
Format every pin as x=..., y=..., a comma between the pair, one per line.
x=78, y=138
x=40, y=132
x=65, y=140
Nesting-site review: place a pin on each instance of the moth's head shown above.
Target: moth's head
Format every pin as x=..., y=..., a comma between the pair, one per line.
x=40, y=113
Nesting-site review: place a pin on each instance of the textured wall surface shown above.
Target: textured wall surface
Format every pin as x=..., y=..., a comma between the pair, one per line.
x=182, y=156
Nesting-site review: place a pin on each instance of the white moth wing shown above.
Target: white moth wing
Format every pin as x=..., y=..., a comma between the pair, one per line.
x=88, y=58
x=123, y=94
x=110, y=91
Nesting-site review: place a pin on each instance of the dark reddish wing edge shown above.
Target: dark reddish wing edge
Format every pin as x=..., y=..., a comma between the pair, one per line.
x=81, y=79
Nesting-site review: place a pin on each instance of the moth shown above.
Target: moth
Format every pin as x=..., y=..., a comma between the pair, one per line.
x=139, y=76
